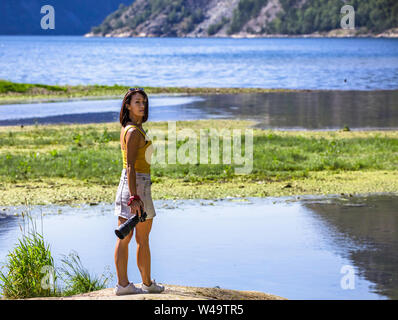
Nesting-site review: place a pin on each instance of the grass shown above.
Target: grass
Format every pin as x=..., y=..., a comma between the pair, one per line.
x=31, y=271
x=26, y=265
x=82, y=163
x=12, y=92
x=78, y=279
x=8, y=87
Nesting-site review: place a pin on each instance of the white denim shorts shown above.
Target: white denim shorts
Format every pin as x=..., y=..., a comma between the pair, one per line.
x=143, y=181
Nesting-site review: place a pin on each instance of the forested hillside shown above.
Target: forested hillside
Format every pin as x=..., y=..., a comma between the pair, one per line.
x=231, y=17
x=320, y=15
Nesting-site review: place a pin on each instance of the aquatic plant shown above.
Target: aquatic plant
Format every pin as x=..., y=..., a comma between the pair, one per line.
x=31, y=271
x=78, y=279
x=30, y=265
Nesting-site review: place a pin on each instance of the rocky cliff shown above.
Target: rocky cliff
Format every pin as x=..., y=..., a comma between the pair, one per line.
x=246, y=18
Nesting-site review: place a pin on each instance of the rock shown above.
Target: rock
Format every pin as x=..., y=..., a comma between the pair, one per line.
x=174, y=292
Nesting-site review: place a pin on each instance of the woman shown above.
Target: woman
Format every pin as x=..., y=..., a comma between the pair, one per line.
x=135, y=189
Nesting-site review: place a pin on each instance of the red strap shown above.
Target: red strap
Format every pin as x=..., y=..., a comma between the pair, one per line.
x=134, y=197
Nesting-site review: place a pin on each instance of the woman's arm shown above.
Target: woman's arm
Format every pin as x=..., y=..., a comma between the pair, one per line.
x=133, y=137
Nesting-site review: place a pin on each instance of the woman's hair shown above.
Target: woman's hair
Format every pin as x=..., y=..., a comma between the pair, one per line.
x=124, y=112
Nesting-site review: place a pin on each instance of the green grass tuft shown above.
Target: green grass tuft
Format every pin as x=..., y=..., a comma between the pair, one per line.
x=31, y=271
x=78, y=279
x=27, y=265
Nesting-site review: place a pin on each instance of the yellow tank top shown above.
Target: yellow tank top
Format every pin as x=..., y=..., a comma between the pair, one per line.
x=141, y=164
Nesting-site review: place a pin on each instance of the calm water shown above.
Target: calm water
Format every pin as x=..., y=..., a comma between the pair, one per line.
x=347, y=64
x=285, y=110
x=291, y=247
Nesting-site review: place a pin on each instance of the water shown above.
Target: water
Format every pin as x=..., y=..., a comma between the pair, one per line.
x=287, y=246
x=316, y=110
x=346, y=64
x=89, y=111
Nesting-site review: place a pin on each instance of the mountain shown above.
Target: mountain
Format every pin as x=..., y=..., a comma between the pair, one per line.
x=224, y=18
x=72, y=17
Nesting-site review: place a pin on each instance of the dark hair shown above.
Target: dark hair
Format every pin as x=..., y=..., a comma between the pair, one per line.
x=124, y=112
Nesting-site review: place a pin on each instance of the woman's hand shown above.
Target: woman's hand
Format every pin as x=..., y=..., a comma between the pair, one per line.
x=135, y=207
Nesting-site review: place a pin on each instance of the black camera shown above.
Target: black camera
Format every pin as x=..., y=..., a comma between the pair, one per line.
x=124, y=229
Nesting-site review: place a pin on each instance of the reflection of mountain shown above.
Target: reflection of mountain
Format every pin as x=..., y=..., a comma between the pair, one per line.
x=371, y=223
x=7, y=223
x=310, y=110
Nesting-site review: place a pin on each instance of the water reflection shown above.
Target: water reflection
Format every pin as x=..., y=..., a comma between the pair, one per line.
x=90, y=110
x=370, y=224
x=310, y=110
x=277, y=110
x=7, y=224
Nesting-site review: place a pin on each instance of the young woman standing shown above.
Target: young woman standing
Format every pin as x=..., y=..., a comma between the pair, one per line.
x=135, y=189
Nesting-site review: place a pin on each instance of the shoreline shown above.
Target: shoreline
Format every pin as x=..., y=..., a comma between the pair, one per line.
x=16, y=93
x=61, y=191
x=391, y=33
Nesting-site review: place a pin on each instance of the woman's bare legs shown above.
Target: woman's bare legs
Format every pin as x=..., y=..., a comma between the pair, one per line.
x=122, y=256
x=143, y=253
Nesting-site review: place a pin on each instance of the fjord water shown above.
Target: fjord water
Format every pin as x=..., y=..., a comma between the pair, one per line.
x=343, y=64
x=303, y=248
x=361, y=70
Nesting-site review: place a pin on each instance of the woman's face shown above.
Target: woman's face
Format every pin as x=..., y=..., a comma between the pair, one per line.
x=137, y=106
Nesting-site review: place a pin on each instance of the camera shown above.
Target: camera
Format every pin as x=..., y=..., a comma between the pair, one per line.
x=124, y=229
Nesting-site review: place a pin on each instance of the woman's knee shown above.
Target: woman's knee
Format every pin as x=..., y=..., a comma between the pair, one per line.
x=127, y=238
x=142, y=239
x=123, y=243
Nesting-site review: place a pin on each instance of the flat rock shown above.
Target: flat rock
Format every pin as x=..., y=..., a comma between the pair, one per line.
x=174, y=292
